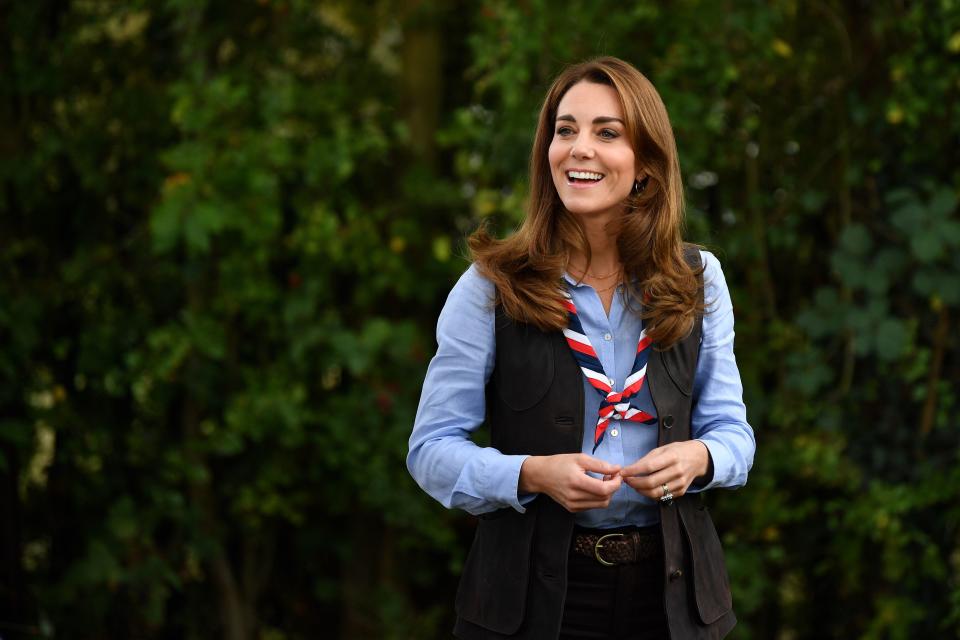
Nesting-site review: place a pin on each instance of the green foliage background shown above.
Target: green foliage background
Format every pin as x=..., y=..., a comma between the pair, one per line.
x=227, y=229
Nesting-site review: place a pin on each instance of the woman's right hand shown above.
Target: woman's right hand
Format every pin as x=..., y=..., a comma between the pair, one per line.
x=564, y=478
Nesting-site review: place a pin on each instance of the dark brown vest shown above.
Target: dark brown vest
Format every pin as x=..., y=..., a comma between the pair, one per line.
x=514, y=580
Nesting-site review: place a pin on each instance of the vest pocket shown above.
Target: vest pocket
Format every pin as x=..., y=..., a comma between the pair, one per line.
x=711, y=586
x=680, y=369
x=493, y=586
x=533, y=364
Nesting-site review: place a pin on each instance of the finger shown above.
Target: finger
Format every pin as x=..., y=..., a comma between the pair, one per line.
x=596, y=487
x=583, y=505
x=655, y=480
x=612, y=476
x=655, y=460
x=639, y=468
x=577, y=508
x=644, y=466
x=589, y=463
x=634, y=484
x=657, y=494
x=613, y=485
x=652, y=486
x=577, y=501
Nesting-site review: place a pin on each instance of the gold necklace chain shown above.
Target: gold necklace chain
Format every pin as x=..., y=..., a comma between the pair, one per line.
x=605, y=289
x=605, y=276
x=616, y=283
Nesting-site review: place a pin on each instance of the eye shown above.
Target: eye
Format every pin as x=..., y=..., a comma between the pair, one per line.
x=609, y=134
x=564, y=131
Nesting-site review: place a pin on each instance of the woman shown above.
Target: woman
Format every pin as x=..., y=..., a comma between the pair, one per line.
x=598, y=348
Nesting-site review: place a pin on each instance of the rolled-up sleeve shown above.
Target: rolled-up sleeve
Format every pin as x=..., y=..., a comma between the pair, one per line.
x=442, y=458
x=719, y=418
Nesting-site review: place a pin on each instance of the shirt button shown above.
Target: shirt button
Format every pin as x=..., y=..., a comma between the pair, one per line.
x=607, y=337
x=614, y=433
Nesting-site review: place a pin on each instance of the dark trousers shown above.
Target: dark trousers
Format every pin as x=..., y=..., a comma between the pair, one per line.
x=623, y=601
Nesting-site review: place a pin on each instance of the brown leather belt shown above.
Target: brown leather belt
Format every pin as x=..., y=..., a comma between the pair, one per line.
x=619, y=547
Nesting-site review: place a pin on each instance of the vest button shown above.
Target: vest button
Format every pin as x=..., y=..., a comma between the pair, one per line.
x=676, y=574
x=667, y=422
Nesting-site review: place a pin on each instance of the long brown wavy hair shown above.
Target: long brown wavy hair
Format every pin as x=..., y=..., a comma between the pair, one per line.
x=527, y=267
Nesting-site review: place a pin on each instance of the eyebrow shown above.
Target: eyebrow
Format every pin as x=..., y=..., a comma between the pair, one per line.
x=598, y=120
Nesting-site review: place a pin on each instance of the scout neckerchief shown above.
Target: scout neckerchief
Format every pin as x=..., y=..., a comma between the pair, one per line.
x=616, y=405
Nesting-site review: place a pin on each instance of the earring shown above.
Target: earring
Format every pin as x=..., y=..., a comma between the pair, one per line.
x=639, y=187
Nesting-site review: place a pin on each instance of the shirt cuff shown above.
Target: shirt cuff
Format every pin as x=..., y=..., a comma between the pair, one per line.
x=507, y=488
x=701, y=482
x=720, y=466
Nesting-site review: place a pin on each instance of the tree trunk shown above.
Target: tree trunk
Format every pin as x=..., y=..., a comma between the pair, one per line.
x=421, y=81
x=16, y=612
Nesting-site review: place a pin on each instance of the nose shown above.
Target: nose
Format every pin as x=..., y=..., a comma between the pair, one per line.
x=581, y=149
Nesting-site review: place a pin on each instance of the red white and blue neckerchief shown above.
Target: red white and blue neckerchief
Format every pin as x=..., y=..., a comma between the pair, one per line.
x=616, y=405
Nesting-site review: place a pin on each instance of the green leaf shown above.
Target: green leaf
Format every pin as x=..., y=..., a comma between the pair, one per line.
x=943, y=202
x=855, y=239
x=891, y=339
x=926, y=245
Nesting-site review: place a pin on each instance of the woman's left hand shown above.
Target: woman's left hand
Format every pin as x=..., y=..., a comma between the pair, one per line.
x=675, y=465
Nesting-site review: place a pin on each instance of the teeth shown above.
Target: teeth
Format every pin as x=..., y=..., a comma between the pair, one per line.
x=584, y=175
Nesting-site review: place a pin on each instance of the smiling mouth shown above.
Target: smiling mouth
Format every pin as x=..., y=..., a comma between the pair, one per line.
x=583, y=177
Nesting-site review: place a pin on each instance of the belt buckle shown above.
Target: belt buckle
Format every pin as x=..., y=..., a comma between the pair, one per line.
x=597, y=546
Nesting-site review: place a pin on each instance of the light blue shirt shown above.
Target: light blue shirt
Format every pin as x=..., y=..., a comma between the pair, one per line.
x=449, y=466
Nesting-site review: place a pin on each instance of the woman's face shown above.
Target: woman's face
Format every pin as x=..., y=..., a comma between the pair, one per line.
x=591, y=161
